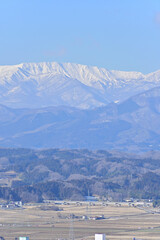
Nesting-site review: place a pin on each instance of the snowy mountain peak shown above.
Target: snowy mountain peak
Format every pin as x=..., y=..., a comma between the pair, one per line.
x=76, y=85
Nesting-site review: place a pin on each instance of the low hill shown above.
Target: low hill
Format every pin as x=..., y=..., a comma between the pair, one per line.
x=37, y=175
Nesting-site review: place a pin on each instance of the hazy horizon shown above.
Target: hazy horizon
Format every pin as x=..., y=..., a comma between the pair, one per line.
x=119, y=35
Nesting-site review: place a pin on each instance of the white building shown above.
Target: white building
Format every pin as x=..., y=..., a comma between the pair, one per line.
x=100, y=236
x=23, y=238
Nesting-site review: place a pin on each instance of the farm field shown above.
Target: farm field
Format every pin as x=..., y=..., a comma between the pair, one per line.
x=42, y=222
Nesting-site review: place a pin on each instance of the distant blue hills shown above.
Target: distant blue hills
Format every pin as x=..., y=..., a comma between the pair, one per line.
x=131, y=125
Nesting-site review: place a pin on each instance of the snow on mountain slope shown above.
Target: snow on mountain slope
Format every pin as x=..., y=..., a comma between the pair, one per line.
x=45, y=84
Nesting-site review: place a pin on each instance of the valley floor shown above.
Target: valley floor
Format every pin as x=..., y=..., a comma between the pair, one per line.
x=41, y=222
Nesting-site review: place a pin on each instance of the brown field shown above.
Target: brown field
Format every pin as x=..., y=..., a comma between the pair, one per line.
x=121, y=222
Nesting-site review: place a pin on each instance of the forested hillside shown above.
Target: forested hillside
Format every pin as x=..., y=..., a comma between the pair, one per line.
x=35, y=175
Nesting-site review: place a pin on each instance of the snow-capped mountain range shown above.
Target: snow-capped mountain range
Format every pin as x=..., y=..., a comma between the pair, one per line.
x=36, y=85
x=45, y=105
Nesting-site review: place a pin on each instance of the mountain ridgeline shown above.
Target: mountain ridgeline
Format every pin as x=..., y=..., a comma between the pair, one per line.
x=52, y=105
x=36, y=85
x=131, y=126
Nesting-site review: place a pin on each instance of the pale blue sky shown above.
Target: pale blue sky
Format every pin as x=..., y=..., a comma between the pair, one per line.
x=115, y=34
